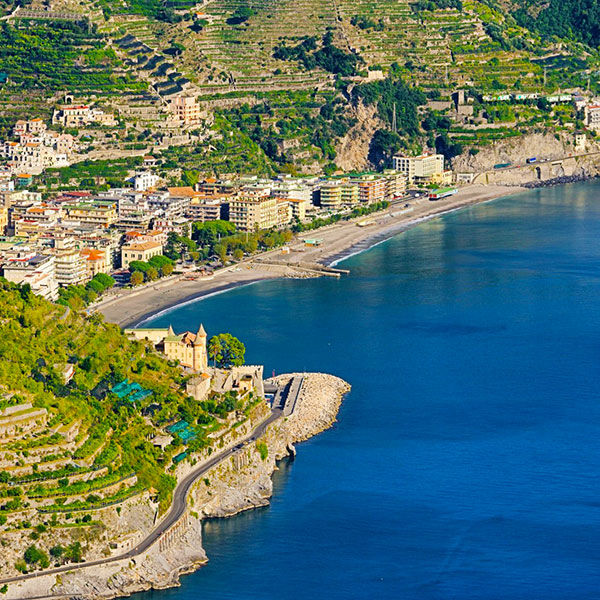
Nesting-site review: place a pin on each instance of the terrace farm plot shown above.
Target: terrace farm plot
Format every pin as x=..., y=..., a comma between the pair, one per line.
x=58, y=56
x=80, y=406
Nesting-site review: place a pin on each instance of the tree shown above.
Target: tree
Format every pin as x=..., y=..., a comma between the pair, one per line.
x=159, y=261
x=137, y=278
x=209, y=233
x=384, y=145
x=240, y=15
x=152, y=274
x=34, y=555
x=238, y=254
x=226, y=350
x=106, y=280
x=178, y=246
x=166, y=270
x=138, y=265
x=95, y=286
x=73, y=552
x=221, y=252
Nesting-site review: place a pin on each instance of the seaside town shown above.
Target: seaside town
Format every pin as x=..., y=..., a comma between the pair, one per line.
x=154, y=154
x=53, y=241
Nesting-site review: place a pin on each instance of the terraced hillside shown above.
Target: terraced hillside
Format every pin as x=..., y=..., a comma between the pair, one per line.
x=80, y=409
x=209, y=47
x=269, y=70
x=436, y=47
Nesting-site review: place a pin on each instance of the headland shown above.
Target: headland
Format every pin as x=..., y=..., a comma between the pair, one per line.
x=236, y=478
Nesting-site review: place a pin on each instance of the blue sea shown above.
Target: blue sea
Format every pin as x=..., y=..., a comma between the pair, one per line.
x=466, y=460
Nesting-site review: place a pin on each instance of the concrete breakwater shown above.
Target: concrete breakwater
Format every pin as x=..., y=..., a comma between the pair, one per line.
x=239, y=482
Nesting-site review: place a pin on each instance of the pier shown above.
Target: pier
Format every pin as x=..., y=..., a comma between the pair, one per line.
x=306, y=267
x=286, y=396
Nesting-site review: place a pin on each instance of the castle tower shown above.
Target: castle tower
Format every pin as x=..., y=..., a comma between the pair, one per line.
x=200, y=356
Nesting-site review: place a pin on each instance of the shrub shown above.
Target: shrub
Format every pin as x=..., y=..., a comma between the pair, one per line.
x=33, y=555
x=263, y=450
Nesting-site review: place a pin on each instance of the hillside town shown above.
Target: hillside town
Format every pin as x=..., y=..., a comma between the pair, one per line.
x=54, y=238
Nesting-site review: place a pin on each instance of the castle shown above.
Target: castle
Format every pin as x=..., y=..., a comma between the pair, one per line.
x=188, y=348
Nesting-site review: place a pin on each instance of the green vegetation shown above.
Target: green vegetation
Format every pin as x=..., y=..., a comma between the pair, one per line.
x=35, y=557
x=226, y=351
x=88, y=445
x=431, y=5
x=328, y=57
x=579, y=19
x=35, y=335
x=180, y=247
x=157, y=266
x=48, y=56
x=71, y=553
x=317, y=121
x=78, y=296
x=240, y=15
x=263, y=450
x=394, y=95
x=86, y=173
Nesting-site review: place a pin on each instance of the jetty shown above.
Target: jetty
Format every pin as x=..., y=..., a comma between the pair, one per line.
x=310, y=268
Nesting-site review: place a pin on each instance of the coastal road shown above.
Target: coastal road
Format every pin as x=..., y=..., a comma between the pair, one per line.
x=178, y=507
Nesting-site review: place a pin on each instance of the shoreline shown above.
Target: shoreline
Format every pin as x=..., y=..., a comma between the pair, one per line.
x=339, y=242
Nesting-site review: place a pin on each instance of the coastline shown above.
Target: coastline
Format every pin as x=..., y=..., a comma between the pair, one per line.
x=130, y=308
x=240, y=483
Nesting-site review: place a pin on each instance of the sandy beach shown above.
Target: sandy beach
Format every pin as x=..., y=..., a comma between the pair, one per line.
x=130, y=307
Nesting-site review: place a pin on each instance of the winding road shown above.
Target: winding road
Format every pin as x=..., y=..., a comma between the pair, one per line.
x=177, y=510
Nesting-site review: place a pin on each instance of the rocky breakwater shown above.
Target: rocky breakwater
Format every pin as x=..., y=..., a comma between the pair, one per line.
x=239, y=482
x=244, y=481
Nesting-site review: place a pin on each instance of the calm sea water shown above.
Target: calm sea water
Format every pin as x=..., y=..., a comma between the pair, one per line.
x=466, y=460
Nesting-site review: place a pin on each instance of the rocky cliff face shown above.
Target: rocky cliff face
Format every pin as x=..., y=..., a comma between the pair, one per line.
x=244, y=482
x=513, y=150
x=353, y=149
x=557, y=159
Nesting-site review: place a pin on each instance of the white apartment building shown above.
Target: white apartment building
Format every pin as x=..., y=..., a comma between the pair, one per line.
x=204, y=209
x=70, y=268
x=34, y=269
x=420, y=169
x=592, y=117
x=144, y=181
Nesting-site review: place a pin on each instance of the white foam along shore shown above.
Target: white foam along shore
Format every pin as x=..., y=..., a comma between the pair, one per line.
x=338, y=243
